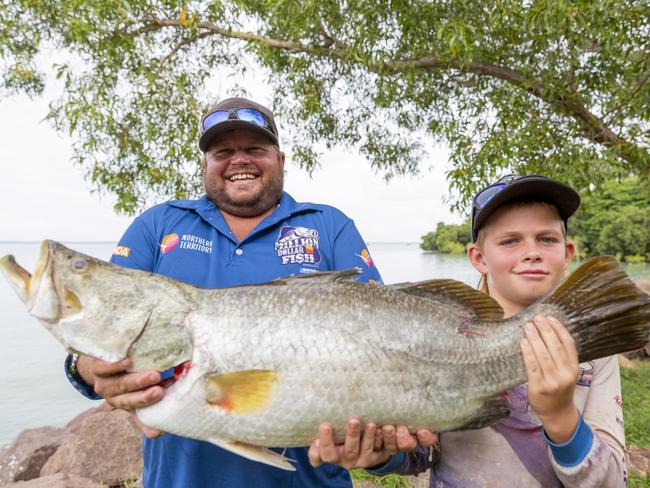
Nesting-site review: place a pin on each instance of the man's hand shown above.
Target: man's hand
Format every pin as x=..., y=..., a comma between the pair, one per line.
x=551, y=361
x=122, y=389
x=365, y=449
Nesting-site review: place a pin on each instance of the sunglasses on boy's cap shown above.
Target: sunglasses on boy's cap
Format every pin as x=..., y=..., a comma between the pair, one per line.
x=531, y=187
x=236, y=113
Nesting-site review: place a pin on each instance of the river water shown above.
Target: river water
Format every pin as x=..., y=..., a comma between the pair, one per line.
x=35, y=391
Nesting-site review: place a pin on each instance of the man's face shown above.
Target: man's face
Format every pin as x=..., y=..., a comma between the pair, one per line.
x=243, y=173
x=524, y=253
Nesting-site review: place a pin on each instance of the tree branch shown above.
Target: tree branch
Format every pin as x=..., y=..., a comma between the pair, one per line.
x=593, y=128
x=181, y=44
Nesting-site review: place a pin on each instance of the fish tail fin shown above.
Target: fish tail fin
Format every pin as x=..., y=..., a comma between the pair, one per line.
x=605, y=312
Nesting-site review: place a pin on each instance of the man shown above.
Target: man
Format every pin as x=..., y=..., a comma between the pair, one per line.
x=244, y=230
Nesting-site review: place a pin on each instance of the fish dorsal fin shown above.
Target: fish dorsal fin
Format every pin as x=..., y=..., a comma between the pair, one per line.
x=319, y=276
x=481, y=304
x=345, y=275
x=241, y=392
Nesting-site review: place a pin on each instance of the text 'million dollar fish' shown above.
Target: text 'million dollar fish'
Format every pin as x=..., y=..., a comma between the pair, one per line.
x=264, y=365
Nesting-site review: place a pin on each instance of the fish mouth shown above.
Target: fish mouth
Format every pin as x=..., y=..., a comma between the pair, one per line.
x=17, y=276
x=46, y=299
x=25, y=284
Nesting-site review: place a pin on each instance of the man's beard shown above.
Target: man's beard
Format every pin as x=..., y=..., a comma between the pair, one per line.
x=268, y=197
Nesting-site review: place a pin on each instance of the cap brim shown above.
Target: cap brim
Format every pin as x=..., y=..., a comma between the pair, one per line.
x=229, y=125
x=562, y=196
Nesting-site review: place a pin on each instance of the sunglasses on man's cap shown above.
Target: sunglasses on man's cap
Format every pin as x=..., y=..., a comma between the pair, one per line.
x=250, y=115
x=236, y=113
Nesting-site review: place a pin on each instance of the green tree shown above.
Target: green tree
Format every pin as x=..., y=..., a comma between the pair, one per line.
x=615, y=219
x=448, y=238
x=556, y=87
x=428, y=242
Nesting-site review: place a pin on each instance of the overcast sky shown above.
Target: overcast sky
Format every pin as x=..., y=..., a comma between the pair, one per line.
x=42, y=195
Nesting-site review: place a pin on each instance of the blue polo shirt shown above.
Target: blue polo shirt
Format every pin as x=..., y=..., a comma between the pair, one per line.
x=190, y=241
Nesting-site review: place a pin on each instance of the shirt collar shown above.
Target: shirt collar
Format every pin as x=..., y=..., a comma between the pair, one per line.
x=211, y=214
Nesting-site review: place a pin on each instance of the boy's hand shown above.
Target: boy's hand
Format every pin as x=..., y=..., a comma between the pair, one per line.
x=365, y=449
x=551, y=361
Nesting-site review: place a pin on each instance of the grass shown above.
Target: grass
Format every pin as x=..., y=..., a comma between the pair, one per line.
x=636, y=398
x=390, y=481
x=635, y=384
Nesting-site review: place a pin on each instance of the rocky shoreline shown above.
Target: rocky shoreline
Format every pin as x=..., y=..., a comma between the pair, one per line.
x=98, y=448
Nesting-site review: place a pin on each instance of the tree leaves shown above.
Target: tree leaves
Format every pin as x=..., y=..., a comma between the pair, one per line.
x=559, y=87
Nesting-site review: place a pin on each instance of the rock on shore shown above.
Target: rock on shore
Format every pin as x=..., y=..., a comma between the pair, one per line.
x=100, y=447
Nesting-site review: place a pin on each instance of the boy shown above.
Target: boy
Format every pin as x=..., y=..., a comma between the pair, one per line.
x=560, y=431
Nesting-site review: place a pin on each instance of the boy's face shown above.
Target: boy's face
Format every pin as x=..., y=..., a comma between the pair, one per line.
x=524, y=254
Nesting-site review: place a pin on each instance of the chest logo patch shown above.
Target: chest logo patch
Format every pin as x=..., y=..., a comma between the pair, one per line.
x=169, y=242
x=185, y=241
x=298, y=245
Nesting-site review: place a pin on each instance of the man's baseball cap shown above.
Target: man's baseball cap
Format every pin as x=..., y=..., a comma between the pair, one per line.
x=236, y=113
x=525, y=188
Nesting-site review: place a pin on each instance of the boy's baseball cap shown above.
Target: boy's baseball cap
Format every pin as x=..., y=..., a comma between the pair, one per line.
x=236, y=113
x=531, y=187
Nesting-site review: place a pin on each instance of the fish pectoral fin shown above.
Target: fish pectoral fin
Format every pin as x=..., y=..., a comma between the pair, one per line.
x=255, y=453
x=243, y=391
x=493, y=409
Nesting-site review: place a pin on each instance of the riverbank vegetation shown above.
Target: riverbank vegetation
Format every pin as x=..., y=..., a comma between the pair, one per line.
x=615, y=221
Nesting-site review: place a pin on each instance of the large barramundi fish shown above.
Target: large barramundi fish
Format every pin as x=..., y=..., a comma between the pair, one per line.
x=264, y=365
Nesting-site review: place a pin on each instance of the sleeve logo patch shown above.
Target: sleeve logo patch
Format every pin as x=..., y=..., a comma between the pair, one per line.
x=365, y=256
x=122, y=251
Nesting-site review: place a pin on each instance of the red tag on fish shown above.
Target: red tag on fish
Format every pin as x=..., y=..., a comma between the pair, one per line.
x=182, y=369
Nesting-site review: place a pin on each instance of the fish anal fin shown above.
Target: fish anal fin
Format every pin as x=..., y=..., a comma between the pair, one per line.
x=254, y=453
x=241, y=392
x=493, y=409
x=480, y=304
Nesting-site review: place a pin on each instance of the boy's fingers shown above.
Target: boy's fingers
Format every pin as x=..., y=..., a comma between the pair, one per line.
x=328, y=452
x=390, y=441
x=426, y=438
x=552, y=341
x=532, y=366
x=352, y=440
x=544, y=360
x=405, y=441
x=567, y=339
x=368, y=439
x=379, y=440
x=314, y=454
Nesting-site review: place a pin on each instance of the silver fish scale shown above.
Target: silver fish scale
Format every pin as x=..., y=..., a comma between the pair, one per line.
x=383, y=356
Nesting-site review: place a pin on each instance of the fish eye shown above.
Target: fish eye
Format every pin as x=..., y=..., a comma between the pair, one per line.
x=79, y=265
